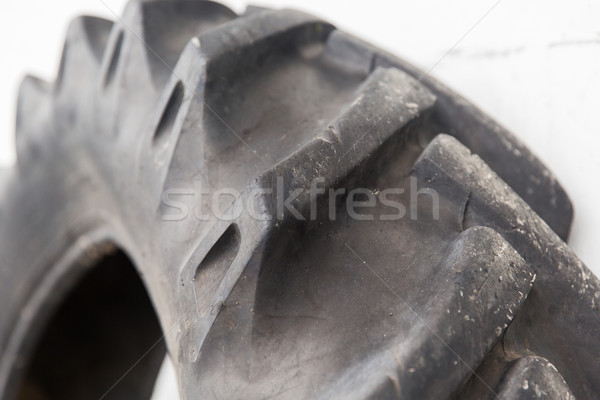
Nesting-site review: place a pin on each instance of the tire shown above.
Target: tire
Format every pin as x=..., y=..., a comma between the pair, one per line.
x=110, y=257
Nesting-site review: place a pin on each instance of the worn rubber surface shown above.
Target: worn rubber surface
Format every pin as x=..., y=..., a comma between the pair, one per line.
x=483, y=300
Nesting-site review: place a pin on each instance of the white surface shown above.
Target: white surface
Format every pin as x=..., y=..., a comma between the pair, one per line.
x=533, y=66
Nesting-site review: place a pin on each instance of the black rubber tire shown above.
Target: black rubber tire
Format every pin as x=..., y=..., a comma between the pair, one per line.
x=101, y=274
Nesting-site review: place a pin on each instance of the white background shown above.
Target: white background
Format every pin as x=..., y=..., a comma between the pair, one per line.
x=534, y=66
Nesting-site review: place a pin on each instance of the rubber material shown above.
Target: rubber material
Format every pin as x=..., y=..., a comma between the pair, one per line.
x=482, y=300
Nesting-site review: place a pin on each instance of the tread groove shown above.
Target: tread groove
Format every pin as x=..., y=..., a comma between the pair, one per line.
x=114, y=59
x=170, y=112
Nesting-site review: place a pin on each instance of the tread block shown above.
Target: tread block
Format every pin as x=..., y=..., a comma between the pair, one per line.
x=143, y=50
x=243, y=44
x=82, y=55
x=264, y=71
x=387, y=106
x=79, y=71
x=477, y=292
x=237, y=120
x=404, y=347
x=336, y=114
x=500, y=149
x=387, y=101
x=452, y=170
x=34, y=116
x=167, y=26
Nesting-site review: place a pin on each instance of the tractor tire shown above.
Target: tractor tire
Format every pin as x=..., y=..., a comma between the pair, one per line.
x=455, y=284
